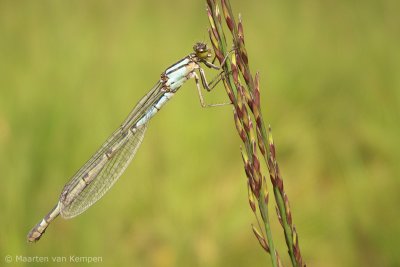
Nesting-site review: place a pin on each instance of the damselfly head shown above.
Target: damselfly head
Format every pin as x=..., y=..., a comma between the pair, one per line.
x=201, y=50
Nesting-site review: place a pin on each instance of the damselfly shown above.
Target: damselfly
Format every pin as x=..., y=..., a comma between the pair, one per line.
x=103, y=169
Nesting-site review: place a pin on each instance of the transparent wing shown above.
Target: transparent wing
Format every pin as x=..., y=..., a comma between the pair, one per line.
x=116, y=137
x=102, y=176
x=104, y=167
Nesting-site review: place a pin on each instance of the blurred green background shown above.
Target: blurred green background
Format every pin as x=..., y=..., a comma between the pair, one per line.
x=70, y=71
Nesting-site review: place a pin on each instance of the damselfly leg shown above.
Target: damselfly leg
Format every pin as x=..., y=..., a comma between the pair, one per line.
x=209, y=86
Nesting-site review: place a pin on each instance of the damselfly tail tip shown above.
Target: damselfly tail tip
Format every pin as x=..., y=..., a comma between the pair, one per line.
x=34, y=235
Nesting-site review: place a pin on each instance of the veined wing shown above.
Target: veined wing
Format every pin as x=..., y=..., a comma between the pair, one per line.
x=95, y=167
x=133, y=116
x=102, y=177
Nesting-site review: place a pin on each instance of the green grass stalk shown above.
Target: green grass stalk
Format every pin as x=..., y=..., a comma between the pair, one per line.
x=253, y=132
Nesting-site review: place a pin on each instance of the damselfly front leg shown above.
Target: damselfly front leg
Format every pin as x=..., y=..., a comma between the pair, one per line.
x=206, y=85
